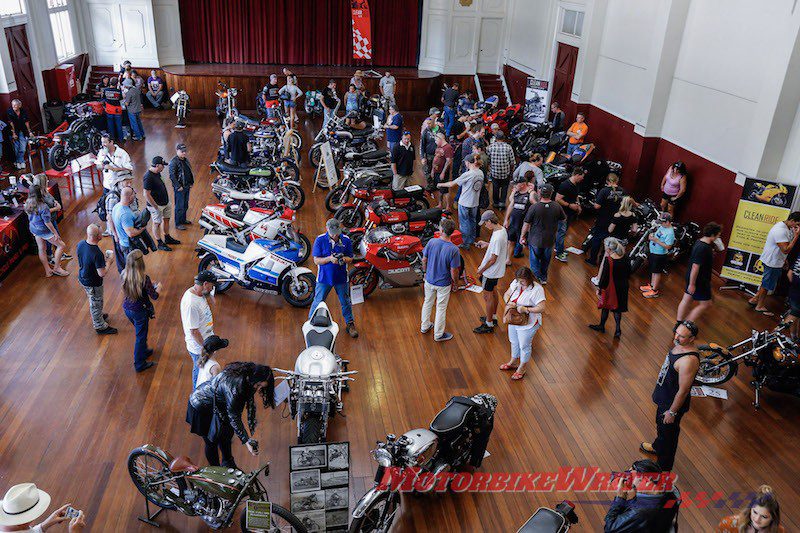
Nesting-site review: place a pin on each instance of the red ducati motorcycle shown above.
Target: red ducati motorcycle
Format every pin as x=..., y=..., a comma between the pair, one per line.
x=505, y=118
x=391, y=261
x=352, y=215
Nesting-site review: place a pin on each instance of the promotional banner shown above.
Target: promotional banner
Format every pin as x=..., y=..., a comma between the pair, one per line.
x=763, y=204
x=537, y=94
x=362, y=34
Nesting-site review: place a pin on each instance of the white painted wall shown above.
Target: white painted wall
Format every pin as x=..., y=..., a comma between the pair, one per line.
x=169, y=43
x=530, y=35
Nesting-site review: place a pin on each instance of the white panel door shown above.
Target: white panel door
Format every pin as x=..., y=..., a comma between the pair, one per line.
x=491, y=38
x=107, y=39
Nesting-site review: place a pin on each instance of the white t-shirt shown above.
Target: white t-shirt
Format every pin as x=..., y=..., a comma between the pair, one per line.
x=387, y=85
x=498, y=245
x=204, y=372
x=772, y=255
x=530, y=297
x=119, y=159
x=195, y=314
x=471, y=182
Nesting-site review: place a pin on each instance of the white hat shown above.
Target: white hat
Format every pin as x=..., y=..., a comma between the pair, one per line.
x=22, y=504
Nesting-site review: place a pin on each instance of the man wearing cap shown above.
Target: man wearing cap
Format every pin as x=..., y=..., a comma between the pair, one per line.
x=394, y=127
x=661, y=242
x=182, y=178
x=471, y=183
x=24, y=503
x=332, y=253
x=539, y=231
x=427, y=143
x=387, y=85
x=402, y=162
x=155, y=191
x=492, y=268
x=501, y=164
x=112, y=198
x=198, y=322
x=237, y=146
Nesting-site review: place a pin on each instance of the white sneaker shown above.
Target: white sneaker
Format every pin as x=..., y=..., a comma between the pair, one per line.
x=596, y=281
x=106, y=233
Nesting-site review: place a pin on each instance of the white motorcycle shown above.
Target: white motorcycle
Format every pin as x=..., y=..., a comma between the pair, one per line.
x=319, y=378
x=180, y=101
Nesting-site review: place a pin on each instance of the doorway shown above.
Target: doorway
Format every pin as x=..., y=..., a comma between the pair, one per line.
x=491, y=37
x=20, y=51
x=563, y=77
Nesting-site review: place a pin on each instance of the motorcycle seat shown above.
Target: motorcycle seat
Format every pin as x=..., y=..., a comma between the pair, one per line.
x=183, y=464
x=367, y=182
x=366, y=132
x=425, y=214
x=412, y=191
x=225, y=168
x=319, y=338
x=543, y=520
x=232, y=244
x=372, y=155
x=238, y=215
x=450, y=418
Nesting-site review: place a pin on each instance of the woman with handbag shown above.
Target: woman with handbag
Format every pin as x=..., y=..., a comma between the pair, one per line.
x=612, y=288
x=139, y=290
x=524, y=301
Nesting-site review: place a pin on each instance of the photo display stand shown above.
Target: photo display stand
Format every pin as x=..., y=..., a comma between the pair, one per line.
x=319, y=484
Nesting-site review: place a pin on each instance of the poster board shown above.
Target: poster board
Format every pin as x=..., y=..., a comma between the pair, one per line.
x=762, y=205
x=319, y=484
x=537, y=97
x=328, y=164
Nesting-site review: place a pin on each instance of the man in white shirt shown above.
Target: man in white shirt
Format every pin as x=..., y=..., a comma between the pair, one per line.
x=780, y=240
x=112, y=159
x=471, y=183
x=24, y=503
x=387, y=85
x=198, y=323
x=493, y=267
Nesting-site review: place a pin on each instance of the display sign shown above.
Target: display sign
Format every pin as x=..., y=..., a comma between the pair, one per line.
x=319, y=483
x=537, y=94
x=763, y=204
x=331, y=176
x=258, y=515
x=362, y=32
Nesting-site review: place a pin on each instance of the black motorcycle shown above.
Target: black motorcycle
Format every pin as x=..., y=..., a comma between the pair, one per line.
x=457, y=438
x=343, y=140
x=528, y=138
x=80, y=137
x=685, y=237
x=773, y=357
x=546, y=520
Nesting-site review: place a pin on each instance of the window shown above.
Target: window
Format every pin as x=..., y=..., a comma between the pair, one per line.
x=572, y=22
x=9, y=8
x=62, y=28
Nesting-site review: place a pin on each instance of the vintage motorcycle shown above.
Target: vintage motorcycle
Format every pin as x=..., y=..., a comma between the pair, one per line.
x=423, y=224
x=773, y=357
x=213, y=493
x=343, y=140
x=457, y=439
x=180, y=101
x=685, y=236
x=546, y=520
x=258, y=180
x=390, y=261
x=526, y=138
x=226, y=101
x=79, y=138
x=355, y=179
x=318, y=379
x=351, y=214
x=313, y=103
x=262, y=265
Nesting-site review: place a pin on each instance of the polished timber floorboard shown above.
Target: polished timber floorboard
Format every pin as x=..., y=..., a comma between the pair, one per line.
x=71, y=406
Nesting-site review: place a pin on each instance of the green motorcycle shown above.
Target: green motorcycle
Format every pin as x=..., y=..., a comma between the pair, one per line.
x=213, y=492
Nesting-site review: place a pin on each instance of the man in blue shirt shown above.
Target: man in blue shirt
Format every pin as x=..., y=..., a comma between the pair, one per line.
x=332, y=253
x=394, y=127
x=124, y=219
x=442, y=263
x=661, y=242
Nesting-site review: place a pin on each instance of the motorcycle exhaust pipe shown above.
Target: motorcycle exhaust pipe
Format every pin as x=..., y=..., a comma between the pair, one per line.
x=204, y=224
x=222, y=276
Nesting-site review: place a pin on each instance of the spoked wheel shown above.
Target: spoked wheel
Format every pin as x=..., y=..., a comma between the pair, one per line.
x=207, y=263
x=297, y=140
x=148, y=471
x=707, y=374
x=315, y=155
x=335, y=198
x=365, y=276
x=289, y=170
x=294, y=195
x=281, y=520
x=379, y=516
x=299, y=293
x=350, y=216
x=57, y=157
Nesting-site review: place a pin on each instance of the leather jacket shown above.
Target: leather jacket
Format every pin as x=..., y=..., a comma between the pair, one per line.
x=645, y=513
x=228, y=395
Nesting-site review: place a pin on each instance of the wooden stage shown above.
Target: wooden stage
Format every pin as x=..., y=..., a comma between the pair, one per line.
x=71, y=406
x=416, y=90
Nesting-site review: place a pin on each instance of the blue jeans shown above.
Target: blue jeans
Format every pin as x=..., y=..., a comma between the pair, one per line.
x=448, y=118
x=140, y=321
x=467, y=221
x=561, y=234
x=136, y=125
x=391, y=144
x=517, y=249
x=181, y=205
x=321, y=292
x=572, y=147
x=157, y=99
x=327, y=115
x=540, y=261
x=114, y=126
x=195, y=369
x=20, y=145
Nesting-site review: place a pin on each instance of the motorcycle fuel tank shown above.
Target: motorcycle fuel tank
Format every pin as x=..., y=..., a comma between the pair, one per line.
x=422, y=446
x=219, y=480
x=316, y=361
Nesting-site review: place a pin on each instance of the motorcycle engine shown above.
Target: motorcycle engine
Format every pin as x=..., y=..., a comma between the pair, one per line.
x=398, y=229
x=263, y=183
x=211, y=509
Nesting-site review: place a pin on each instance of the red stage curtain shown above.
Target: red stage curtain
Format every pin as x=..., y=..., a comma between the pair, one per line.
x=296, y=32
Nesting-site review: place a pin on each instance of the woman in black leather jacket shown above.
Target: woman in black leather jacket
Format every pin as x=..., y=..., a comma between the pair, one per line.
x=215, y=409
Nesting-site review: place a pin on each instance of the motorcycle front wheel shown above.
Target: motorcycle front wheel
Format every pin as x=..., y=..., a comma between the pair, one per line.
x=147, y=471
x=299, y=294
x=305, y=250
x=294, y=195
x=57, y=157
x=282, y=520
x=420, y=204
x=209, y=261
x=708, y=375
x=95, y=143
x=335, y=198
x=289, y=170
x=375, y=520
x=315, y=155
x=310, y=431
x=350, y=216
x=365, y=276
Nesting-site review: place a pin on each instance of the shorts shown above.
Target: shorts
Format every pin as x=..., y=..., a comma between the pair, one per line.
x=160, y=212
x=701, y=294
x=668, y=198
x=658, y=262
x=291, y=103
x=489, y=284
x=46, y=235
x=770, y=277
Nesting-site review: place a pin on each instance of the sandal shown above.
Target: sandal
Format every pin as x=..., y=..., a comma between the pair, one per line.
x=516, y=376
x=61, y=273
x=506, y=366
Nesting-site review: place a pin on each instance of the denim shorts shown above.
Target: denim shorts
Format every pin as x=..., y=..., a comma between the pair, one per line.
x=770, y=277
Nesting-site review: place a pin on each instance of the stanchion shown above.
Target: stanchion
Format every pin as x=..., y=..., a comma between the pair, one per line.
x=149, y=518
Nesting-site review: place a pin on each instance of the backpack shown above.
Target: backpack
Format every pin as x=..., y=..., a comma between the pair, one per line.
x=100, y=208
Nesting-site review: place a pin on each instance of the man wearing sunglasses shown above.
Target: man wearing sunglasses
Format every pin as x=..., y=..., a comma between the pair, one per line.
x=645, y=501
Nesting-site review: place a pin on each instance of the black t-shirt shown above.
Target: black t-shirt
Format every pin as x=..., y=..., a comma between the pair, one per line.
x=328, y=97
x=703, y=255
x=609, y=200
x=558, y=121
x=570, y=192
x=271, y=91
x=457, y=128
x=543, y=218
x=18, y=121
x=404, y=159
x=450, y=97
x=622, y=225
x=152, y=182
x=236, y=149
x=90, y=258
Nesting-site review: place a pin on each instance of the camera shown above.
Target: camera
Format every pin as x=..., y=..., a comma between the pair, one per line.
x=339, y=258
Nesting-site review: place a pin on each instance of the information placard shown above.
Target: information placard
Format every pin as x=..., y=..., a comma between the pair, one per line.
x=258, y=515
x=537, y=94
x=319, y=483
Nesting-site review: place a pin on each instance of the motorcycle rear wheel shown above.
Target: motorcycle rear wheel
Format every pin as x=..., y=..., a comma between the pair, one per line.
x=370, y=522
x=292, y=523
x=206, y=263
x=57, y=157
x=294, y=195
x=291, y=171
x=365, y=276
x=713, y=377
x=303, y=298
x=310, y=431
x=95, y=143
x=350, y=216
x=335, y=198
x=144, y=466
x=315, y=155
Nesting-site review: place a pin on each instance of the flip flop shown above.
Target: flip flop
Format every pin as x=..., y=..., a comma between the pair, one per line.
x=506, y=366
x=516, y=376
x=63, y=274
x=765, y=312
x=751, y=304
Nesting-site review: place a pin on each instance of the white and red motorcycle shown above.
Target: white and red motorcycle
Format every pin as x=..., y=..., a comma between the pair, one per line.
x=248, y=223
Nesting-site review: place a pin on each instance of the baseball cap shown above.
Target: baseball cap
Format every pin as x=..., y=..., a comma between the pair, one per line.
x=158, y=160
x=470, y=158
x=665, y=217
x=546, y=190
x=488, y=216
x=434, y=111
x=206, y=276
x=214, y=343
x=334, y=227
x=500, y=135
x=180, y=147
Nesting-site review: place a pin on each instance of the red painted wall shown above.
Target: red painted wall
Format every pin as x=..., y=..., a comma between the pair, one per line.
x=516, y=81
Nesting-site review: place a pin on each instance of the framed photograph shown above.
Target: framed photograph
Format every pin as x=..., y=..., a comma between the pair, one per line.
x=313, y=520
x=338, y=518
x=309, y=456
x=308, y=501
x=339, y=456
x=337, y=498
x=335, y=479
x=304, y=481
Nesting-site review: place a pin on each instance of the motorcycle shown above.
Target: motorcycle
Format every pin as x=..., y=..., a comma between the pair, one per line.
x=313, y=103
x=257, y=181
x=318, y=379
x=226, y=101
x=180, y=101
x=526, y=138
x=505, y=118
x=77, y=139
x=456, y=439
x=423, y=224
x=356, y=164
x=246, y=224
x=769, y=193
x=354, y=180
x=351, y=214
x=213, y=493
x=390, y=261
x=685, y=236
x=546, y=520
x=773, y=357
x=262, y=265
x=275, y=123
x=343, y=140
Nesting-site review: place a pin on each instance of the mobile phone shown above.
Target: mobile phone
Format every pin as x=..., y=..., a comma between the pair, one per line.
x=72, y=512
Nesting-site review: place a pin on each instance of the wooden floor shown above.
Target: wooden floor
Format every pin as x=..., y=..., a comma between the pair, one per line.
x=71, y=406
